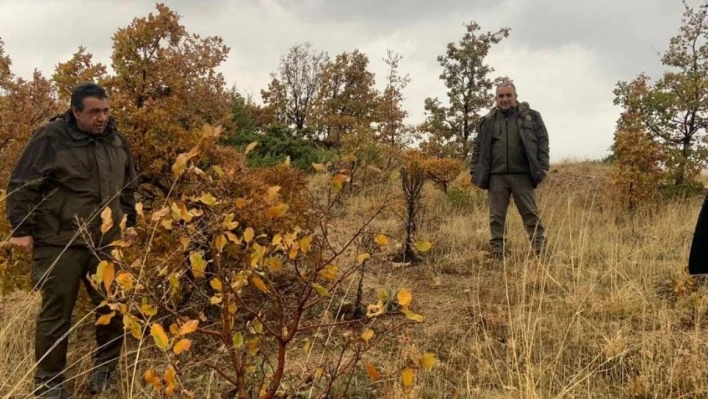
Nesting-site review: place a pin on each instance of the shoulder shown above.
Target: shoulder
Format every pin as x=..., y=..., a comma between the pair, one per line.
x=52, y=131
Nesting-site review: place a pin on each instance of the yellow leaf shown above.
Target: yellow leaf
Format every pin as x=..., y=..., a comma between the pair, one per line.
x=375, y=310
x=167, y=224
x=198, y=264
x=413, y=316
x=305, y=244
x=277, y=239
x=105, y=319
x=367, y=335
x=216, y=284
x=185, y=242
x=157, y=215
x=238, y=340
x=404, y=297
x=257, y=326
x=293, y=253
x=423, y=246
x=208, y=199
x=132, y=324
x=154, y=379
x=160, y=337
x=148, y=310
x=330, y=272
x=250, y=147
x=362, y=258
x=125, y=280
x=120, y=244
x=274, y=264
x=407, y=377
x=175, y=211
x=140, y=209
x=277, y=211
x=241, y=203
x=338, y=181
x=215, y=300
x=381, y=239
x=182, y=346
x=170, y=381
x=180, y=165
x=229, y=223
x=106, y=220
x=259, y=284
x=232, y=237
x=427, y=361
x=382, y=296
x=123, y=222
x=253, y=346
x=109, y=274
x=321, y=291
x=218, y=170
x=318, y=167
x=372, y=372
x=257, y=254
x=272, y=194
x=174, y=329
x=248, y=235
x=232, y=308
x=220, y=242
x=189, y=327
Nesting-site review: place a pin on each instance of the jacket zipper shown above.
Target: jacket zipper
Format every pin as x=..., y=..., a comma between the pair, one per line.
x=506, y=130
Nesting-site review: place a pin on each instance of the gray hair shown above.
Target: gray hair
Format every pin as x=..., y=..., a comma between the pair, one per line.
x=507, y=83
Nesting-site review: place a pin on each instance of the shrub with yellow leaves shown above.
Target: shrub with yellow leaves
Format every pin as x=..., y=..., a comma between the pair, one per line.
x=239, y=261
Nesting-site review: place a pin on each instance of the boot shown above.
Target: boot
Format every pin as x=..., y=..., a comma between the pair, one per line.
x=51, y=390
x=100, y=381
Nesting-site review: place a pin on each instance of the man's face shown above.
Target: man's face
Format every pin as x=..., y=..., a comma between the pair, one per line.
x=94, y=117
x=506, y=97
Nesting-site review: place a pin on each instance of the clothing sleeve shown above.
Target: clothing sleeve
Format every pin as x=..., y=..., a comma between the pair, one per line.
x=476, y=143
x=130, y=186
x=543, y=150
x=24, y=190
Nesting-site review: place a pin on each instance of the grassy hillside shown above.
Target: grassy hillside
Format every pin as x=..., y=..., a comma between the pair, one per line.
x=608, y=313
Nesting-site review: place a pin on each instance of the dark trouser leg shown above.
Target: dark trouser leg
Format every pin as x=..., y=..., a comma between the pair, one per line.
x=57, y=276
x=499, y=195
x=109, y=338
x=525, y=200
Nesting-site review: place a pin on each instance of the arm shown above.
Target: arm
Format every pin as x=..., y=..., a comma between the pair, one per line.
x=542, y=135
x=130, y=186
x=26, y=181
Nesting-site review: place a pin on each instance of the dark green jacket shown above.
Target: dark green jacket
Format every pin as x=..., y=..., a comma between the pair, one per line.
x=65, y=178
x=534, y=138
x=508, y=154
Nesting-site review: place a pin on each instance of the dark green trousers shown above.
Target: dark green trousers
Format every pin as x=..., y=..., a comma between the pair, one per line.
x=501, y=189
x=58, y=272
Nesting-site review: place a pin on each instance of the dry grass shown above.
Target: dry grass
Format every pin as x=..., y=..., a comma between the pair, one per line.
x=608, y=313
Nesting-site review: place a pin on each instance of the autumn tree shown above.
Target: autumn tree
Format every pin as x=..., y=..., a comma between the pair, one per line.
x=79, y=69
x=442, y=171
x=391, y=129
x=347, y=100
x=5, y=63
x=292, y=91
x=637, y=168
x=450, y=128
x=164, y=89
x=674, y=110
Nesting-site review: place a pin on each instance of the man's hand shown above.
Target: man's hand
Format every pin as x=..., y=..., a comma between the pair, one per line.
x=24, y=244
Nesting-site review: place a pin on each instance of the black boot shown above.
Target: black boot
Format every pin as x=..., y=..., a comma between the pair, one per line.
x=100, y=381
x=51, y=390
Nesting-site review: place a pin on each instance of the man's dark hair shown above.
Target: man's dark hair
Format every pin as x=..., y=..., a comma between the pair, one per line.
x=86, y=90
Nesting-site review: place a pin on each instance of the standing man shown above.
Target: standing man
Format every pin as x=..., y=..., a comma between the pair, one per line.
x=71, y=170
x=510, y=157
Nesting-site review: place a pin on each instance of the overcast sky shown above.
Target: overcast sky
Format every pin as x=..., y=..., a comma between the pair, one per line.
x=564, y=56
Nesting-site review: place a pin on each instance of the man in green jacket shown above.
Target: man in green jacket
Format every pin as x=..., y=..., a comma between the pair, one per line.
x=70, y=171
x=510, y=157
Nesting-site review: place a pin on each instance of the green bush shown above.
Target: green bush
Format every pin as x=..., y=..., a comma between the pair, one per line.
x=276, y=144
x=460, y=198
